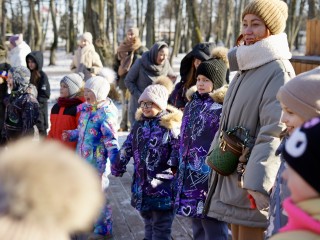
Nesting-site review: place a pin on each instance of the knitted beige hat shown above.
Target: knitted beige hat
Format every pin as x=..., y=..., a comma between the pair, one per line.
x=87, y=36
x=158, y=92
x=301, y=94
x=99, y=86
x=274, y=13
x=46, y=192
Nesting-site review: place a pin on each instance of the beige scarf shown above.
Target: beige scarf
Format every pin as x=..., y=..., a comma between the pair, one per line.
x=125, y=53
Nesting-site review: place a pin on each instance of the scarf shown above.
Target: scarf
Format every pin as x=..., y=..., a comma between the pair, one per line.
x=274, y=47
x=148, y=62
x=125, y=54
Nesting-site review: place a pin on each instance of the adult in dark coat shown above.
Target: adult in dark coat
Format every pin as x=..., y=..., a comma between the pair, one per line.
x=40, y=80
x=145, y=71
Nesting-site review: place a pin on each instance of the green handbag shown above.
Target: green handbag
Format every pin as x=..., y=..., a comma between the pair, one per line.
x=224, y=158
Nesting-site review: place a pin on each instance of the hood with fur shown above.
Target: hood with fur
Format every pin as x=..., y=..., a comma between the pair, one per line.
x=217, y=95
x=170, y=121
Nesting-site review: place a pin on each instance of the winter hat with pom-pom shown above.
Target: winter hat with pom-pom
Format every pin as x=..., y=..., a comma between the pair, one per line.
x=108, y=74
x=74, y=81
x=214, y=69
x=274, y=13
x=43, y=196
x=21, y=77
x=158, y=92
x=99, y=86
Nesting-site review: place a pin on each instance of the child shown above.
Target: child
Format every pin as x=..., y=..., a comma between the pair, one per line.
x=22, y=109
x=152, y=143
x=46, y=192
x=301, y=152
x=298, y=99
x=97, y=139
x=199, y=125
x=40, y=80
x=64, y=114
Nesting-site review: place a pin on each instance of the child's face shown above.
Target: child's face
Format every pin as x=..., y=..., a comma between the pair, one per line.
x=10, y=81
x=90, y=96
x=299, y=188
x=290, y=119
x=64, y=90
x=31, y=64
x=204, y=85
x=149, y=109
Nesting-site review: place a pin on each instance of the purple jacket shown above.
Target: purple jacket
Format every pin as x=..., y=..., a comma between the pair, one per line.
x=153, y=144
x=199, y=125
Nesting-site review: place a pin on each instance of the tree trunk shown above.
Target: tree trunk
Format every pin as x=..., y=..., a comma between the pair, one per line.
x=37, y=29
x=72, y=34
x=209, y=30
x=150, y=37
x=312, y=9
x=191, y=9
x=3, y=22
x=177, y=33
x=55, y=34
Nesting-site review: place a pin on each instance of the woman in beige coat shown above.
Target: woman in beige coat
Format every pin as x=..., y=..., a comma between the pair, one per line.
x=86, y=59
x=262, y=61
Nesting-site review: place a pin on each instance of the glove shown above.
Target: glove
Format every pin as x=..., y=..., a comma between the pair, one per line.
x=262, y=201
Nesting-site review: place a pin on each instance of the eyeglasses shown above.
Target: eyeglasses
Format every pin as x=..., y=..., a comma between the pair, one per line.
x=146, y=104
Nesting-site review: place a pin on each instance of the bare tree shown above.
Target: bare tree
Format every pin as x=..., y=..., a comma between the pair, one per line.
x=193, y=21
x=55, y=34
x=150, y=37
x=3, y=21
x=177, y=33
x=312, y=10
x=71, y=30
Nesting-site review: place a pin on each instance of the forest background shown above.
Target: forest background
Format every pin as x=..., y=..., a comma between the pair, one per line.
x=48, y=24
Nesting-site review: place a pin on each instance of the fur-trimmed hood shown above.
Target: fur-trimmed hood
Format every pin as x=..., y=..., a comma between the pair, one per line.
x=222, y=53
x=170, y=120
x=217, y=95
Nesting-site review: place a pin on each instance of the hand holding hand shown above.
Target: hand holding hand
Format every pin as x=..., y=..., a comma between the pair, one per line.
x=262, y=201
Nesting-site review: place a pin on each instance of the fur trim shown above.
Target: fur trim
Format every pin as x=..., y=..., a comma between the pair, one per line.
x=219, y=94
x=190, y=92
x=222, y=53
x=47, y=186
x=171, y=120
x=166, y=82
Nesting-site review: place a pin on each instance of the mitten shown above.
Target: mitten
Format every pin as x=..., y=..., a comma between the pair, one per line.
x=262, y=201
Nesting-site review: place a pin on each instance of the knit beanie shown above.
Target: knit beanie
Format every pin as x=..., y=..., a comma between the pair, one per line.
x=75, y=82
x=301, y=94
x=15, y=40
x=215, y=70
x=99, y=86
x=46, y=192
x=134, y=30
x=274, y=13
x=21, y=76
x=87, y=36
x=158, y=92
x=301, y=152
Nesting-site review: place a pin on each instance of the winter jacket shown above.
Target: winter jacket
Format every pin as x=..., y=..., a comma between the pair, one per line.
x=280, y=191
x=4, y=68
x=22, y=111
x=303, y=221
x=251, y=102
x=63, y=117
x=88, y=57
x=137, y=54
x=43, y=88
x=200, y=123
x=153, y=144
x=97, y=134
x=142, y=74
x=17, y=55
x=201, y=51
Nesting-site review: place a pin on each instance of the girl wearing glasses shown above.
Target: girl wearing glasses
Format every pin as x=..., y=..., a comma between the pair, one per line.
x=152, y=143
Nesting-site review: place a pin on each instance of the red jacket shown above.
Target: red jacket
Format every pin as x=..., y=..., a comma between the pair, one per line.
x=64, y=116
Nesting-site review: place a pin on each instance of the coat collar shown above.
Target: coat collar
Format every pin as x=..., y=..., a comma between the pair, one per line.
x=169, y=119
x=217, y=95
x=274, y=47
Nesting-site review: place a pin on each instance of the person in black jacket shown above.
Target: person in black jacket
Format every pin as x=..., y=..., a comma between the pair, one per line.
x=40, y=80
